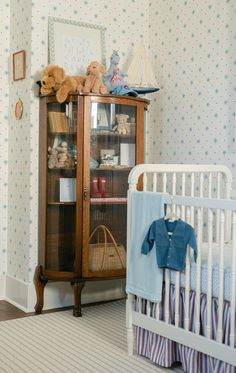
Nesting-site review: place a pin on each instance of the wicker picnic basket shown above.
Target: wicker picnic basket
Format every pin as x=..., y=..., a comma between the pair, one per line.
x=105, y=255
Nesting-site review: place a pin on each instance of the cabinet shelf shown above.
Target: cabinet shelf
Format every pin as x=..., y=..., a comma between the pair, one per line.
x=112, y=134
x=62, y=133
x=61, y=169
x=108, y=201
x=113, y=169
x=53, y=203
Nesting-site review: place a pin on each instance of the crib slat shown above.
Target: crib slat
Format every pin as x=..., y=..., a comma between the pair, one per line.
x=201, y=185
x=198, y=281
x=148, y=308
x=164, y=182
x=221, y=279
x=192, y=185
x=210, y=185
x=183, y=194
x=157, y=315
x=144, y=181
x=218, y=211
x=192, y=195
x=218, y=191
x=167, y=295
x=187, y=280
x=177, y=286
x=177, y=282
x=154, y=182
x=139, y=305
x=233, y=281
x=209, y=272
x=174, y=183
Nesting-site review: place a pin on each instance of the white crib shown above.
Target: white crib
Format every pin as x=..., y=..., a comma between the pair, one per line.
x=199, y=194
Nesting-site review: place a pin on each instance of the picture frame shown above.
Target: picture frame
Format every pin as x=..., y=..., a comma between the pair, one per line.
x=18, y=62
x=73, y=45
x=67, y=189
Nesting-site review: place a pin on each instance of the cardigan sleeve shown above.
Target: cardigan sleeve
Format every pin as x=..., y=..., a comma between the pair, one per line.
x=149, y=240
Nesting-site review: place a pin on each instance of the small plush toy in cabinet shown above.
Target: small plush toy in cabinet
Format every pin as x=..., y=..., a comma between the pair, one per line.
x=60, y=157
x=122, y=127
x=52, y=158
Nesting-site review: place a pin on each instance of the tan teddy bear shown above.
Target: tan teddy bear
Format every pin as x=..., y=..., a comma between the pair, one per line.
x=93, y=82
x=54, y=80
x=52, y=158
x=122, y=127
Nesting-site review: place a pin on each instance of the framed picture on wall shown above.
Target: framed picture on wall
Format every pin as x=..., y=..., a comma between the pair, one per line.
x=18, y=61
x=73, y=45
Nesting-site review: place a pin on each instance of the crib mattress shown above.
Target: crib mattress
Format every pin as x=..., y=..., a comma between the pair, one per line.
x=204, y=272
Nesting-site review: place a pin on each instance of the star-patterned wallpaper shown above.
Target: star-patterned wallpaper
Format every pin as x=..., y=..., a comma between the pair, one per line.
x=193, y=48
x=191, y=119
x=4, y=99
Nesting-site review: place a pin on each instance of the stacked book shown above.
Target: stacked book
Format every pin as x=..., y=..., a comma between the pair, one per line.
x=57, y=121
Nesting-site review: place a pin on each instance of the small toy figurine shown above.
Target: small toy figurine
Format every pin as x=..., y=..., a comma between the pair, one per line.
x=114, y=75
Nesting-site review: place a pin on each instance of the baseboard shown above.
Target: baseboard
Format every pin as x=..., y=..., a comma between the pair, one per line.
x=17, y=293
x=60, y=294
x=2, y=287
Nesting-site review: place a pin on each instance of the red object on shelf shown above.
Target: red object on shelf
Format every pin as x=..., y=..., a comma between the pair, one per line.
x=95, y=190
x=102, y=187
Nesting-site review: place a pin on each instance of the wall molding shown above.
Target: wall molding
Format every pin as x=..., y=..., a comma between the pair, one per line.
x=60, y=294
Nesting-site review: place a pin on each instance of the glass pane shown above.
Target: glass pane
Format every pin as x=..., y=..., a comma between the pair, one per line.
x=112, y=155
x=61, y=187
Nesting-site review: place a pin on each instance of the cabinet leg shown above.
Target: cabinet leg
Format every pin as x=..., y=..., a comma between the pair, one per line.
x=40, y=282
x=77, y=287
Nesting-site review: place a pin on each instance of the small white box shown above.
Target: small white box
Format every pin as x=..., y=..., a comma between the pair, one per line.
x=67, y=189
x=127, y=154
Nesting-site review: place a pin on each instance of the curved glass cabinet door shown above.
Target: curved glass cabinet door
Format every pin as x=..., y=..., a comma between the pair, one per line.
x=112, y=155
x=61, y=187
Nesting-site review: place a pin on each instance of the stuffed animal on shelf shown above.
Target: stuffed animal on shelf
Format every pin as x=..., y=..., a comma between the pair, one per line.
x=54, y=80
x=114, y=75
x=62, y=150
x=52, y=158
x=93, y=82
x=60, y=157
x=122, y=127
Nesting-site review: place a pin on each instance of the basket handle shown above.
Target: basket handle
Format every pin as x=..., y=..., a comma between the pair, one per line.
x=107, y=232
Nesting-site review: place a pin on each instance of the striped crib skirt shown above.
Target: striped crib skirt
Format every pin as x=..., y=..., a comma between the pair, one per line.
x=165, y=352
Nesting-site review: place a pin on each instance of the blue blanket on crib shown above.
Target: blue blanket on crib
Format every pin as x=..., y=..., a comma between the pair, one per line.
x=144, y=278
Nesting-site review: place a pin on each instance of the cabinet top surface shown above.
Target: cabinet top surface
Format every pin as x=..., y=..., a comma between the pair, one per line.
x=97, y=97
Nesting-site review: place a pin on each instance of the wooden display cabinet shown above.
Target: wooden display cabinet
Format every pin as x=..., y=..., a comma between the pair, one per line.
x=83, y=173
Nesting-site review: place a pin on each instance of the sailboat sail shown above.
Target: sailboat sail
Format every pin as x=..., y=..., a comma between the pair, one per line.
x=140, y=72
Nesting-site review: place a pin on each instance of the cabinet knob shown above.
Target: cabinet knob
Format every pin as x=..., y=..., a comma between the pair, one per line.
x=85, y=193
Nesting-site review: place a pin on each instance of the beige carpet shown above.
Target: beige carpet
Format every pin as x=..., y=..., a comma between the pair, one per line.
x=58, y=342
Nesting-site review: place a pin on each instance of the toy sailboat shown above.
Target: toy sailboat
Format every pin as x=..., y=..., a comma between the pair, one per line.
x=141, y=77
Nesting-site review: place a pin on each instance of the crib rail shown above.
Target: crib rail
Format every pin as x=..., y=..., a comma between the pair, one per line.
x=184, y=179
x=214, y=219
